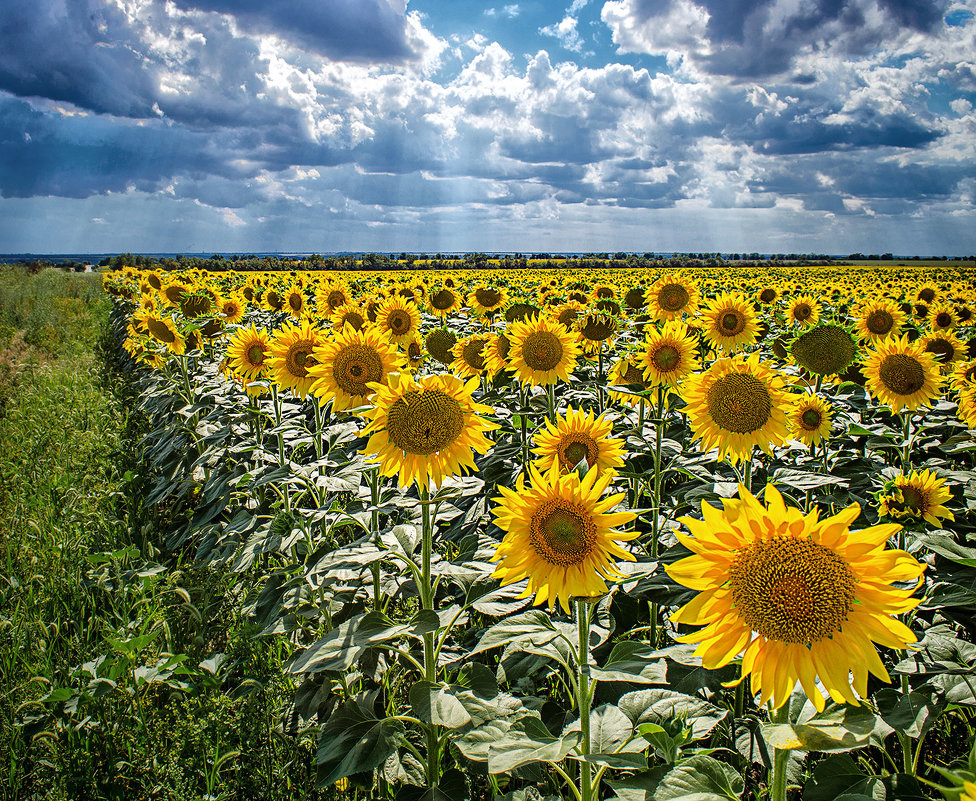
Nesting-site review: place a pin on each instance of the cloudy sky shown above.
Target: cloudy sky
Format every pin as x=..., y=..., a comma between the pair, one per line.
x=427, y=125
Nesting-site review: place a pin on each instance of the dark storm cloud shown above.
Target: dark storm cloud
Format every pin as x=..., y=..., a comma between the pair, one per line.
x=354, y=30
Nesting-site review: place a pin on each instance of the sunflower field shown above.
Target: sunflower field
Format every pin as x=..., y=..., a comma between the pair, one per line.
x=539, y=534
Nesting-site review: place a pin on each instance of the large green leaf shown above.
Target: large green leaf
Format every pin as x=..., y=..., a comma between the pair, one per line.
x=630, y=661
x=839, y=776
x=838, y=728
x=661, y=705
x=698, y=778
x=437, y=703
x=352, y=741
x=533, y=627
x=526, y=741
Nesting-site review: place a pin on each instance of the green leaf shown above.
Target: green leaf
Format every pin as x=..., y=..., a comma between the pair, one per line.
x=629, y=661
x=434, y=703
x=698, y=778
x=531, y=627
x=837, y=728
x=912, y=713
x=839, y=776
x=661, y=706
x=353, y=741
x=528, y=740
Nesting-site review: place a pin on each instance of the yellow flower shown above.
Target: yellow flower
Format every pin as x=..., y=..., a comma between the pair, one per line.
x=917, y=496
x=672, y=296
x=730, y=322
x=561, y=535
x=347, y=314
x=443, y=301
x=669, y=355
x=331, y=295
x=901, y=375
x=164, y=330
x=805, y=310
x=496, y=353
x=825, y=349
x=945, y=346
x=967, y=408
x=440, y=343
x=736, y=405
x=879, y=319
x=247, y=352
x=426, y=430
x=484, y=299
x=798, y=597
x=629, y=369
x=942, y=316
x=291, y=356
x=348, y=365
x=232, y=309
x=541, y=351
x=578, y=436
x=809, y=419
x=964, y=376
x=400, y=319
x=469, y=356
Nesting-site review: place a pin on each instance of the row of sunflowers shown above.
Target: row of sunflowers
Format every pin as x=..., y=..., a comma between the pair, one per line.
x=703, y=476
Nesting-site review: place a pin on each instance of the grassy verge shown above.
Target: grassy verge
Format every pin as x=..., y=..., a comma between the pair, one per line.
x=122, y=673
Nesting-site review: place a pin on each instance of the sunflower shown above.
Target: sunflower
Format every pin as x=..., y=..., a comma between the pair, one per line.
x=561, y=535
x=596, y=327
x=945, y=346
x=232, y=309
x=444, y=301
x=901, y=375
x=799, y=597
x=964, y=376
x=291, y=356
x=426, y=430
x=486, y=300
x=768, y=295
x=399, y=318
x=348, y=365
x=295, y=303
x=173, y=291
x=541, y=351
x=164, y=330
x=804, y=310
x=440, y=342
x=809, y=419
x=330, y=295
x=273, y=300
x=669, y=354
x=569, y=312
x=196, y=304
x=730, y=322
x=967, y=408
x=927, y=293
x=636, y=298
x=672, y=296
x=347, y=315
x=879, y=319
x=916, y=497
x=824, y=349
x=736, y=405
x=942, y=316
x=469, y=356
x=521, y=310
x=576, y=437
x=496, y=353
x=628, y=370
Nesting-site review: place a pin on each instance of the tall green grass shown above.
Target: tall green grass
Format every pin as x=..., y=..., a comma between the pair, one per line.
x=85, y=592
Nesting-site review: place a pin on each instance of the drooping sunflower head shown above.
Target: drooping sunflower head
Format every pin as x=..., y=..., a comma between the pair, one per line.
x=163, y=329
x=914, y=498
x=799, y=597
x=469, y=356
x=737, y=405
x=173, y=292
x=247, y=352
x=596, y=326
x=628, y=370
x=578, y=437
x=347, y=314
x=669, y=354
x=399, y=318
x=672, y=296
x=291, y=356
x=521, y=311
x=901, y=375
x=809, y=419
x=824, y=349
x=195, y=304
x=730, y=323
x=273, y=299
x=428, y=430
x=880, y=319
x=560, y=535
x=541, y=351
x=804, y=310
x=496, y=353
x=349, y=365
x=440, y=343
x=635, y=298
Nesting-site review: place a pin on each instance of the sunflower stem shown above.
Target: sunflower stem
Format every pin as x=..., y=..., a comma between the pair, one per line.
x=281, y=440
x=599, y=377
x=781, y=759
x=524, y=424
x=584, y=698
x=430, y=655
x=374, y=502
x=551, y=399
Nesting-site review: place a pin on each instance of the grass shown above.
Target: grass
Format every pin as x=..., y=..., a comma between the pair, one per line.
x=123, y=674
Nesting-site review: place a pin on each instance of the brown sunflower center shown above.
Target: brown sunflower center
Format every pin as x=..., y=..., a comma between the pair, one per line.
x=635, y=298
x=439, y=343
x=732, y=322
x=901, y=374
x=423, y=422
x=880, y=322
x=672, y=297
x=562, y=533
x=503, y=344
x=598, y=328
x=802, y=311
x=542, y=350
x=473, y=354
x=355, y=319
x=161, y=331
x=633, y=375
x=943, y=319
x=255, y=355
x=442, y=300
x=299, y=358
x=414, y=351
x=399, y=321
x=487, y=297
x=275, y=301
x=336, y=298
x=666, y=358
x=574, y=448
x=604, y=292
x=811, y=419
x=942, y=348
x=913, y=498
x=174, y=293
x=739, y=402
x=154, y=281
x=791, y=590
x=355, y=366
x=926, y=295
x=768, y=295
x=568, y=316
